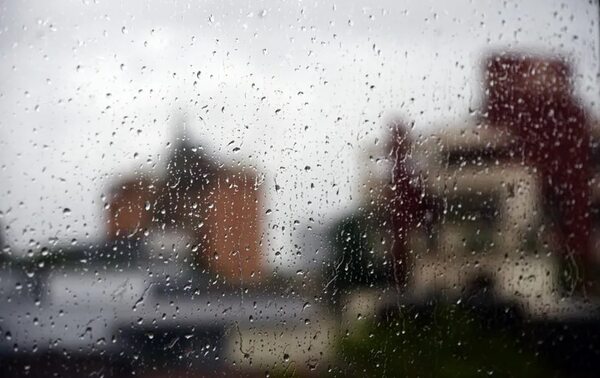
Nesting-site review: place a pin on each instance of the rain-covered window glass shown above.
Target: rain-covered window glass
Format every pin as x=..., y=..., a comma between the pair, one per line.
x=355, y=188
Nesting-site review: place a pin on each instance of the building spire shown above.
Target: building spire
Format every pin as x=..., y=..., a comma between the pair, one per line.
x=179, y=129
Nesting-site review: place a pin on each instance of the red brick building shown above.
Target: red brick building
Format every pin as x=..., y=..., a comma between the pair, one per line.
x=217, y=208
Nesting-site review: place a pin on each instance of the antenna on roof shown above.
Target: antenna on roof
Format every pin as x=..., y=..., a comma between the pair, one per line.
x=179, y=129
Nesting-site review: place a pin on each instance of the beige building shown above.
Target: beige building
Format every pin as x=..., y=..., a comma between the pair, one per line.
x=509, y=183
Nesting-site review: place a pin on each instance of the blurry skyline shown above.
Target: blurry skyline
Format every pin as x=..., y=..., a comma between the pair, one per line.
x=298, y=90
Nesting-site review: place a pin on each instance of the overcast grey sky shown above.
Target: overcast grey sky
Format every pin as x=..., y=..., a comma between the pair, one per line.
x=90, y=89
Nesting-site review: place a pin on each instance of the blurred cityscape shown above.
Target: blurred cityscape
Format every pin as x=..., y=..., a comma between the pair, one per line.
x=473, y=251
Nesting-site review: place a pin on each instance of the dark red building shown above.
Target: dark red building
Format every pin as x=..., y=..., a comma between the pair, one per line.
x=533, y=99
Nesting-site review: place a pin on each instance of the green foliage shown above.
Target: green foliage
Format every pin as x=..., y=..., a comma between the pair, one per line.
x=449, y=342
x=357, y=260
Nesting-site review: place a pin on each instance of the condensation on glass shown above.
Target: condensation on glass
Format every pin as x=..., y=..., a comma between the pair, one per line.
x=299, y=189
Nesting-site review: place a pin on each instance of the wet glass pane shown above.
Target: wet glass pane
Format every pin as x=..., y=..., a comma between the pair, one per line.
x=395, y=188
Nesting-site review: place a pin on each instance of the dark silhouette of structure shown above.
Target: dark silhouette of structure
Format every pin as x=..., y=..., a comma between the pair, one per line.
x=407, y=204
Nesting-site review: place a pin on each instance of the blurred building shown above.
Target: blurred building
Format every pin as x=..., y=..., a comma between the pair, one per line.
x=177, y=286
x=509, y=199
x=214, y=209
x=516, y=187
